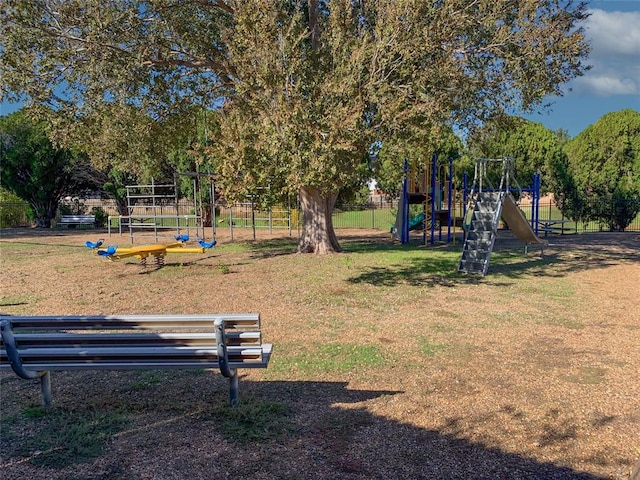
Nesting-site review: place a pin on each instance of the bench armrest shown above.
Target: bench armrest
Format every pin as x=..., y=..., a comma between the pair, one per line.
x=12, y=353
x=223, y=358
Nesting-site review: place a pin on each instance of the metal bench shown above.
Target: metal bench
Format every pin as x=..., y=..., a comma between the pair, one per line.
x=66, y=220
x=33, y=346
x=555, y=226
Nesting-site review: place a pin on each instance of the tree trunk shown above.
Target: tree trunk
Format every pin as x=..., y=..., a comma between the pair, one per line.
x=43, y=222
x=44, y=213
x=318, y=235
x=122, y=206
x=313, y=24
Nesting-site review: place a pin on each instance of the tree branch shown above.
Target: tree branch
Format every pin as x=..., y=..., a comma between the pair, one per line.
x=222, y=5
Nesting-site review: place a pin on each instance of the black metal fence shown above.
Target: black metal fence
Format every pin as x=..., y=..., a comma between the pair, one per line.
x=604, y=216
x=15, y=214
x=382, y=216
x=550, y=218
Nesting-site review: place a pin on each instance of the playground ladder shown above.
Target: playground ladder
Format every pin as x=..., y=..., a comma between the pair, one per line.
x=481, y=233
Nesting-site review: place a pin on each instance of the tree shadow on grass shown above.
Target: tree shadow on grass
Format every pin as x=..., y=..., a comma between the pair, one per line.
x=282, y=430
x=438, y=266
x=273, y=247
x=564, y=255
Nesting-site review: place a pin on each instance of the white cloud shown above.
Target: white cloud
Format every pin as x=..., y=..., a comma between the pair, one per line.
x=614, y=33
x=615, y=56
x=605, y=85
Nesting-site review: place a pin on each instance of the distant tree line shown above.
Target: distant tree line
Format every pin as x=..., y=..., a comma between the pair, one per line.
x=594, y=176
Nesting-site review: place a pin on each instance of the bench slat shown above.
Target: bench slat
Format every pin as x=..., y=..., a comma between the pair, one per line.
x=132, y=351
x=141, y=365
x=166, y=317
x=147, y=364
x=26, y=340
x=68, y=220
x=132, y=322
x=77, y=218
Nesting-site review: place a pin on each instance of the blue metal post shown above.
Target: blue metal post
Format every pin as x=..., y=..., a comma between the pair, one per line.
x=424, y=188
x=533, y=202
x=404, y=225
x=539, y=186
x=434, y=171
x=450, y=206
x=465, y=179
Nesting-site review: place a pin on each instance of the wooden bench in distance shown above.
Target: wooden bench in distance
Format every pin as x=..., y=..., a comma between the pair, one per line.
x=66, y=220
x=33, y=346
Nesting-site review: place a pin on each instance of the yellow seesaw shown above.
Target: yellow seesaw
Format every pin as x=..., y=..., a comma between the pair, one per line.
x=158, y=250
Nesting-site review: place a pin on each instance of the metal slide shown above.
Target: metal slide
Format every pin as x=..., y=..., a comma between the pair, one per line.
x=517, y=222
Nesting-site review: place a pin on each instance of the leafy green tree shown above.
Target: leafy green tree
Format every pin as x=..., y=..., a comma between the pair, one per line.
x=602, y=172
x=533, y=147
x=357, y=190
x=32, y=168
x=304, y=88
x=563, y=136
x=115, y=187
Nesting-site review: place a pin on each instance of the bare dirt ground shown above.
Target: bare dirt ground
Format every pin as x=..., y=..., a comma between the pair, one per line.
x=385, y=366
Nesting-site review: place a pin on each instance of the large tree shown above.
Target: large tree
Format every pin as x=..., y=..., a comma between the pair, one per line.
x=35, y=170
x=304, y=87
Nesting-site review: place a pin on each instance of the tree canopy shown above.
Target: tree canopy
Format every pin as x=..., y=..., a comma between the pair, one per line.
x=389, y=165
x=303, y=88
x=33, y=169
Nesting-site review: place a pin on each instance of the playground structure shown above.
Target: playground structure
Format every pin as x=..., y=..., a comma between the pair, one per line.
x=486, y=205
x=450, y=204
x=143, y=252
x=154, y=210
x=433, y=187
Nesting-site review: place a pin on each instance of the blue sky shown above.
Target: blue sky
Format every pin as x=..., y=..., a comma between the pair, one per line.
x=612, y=84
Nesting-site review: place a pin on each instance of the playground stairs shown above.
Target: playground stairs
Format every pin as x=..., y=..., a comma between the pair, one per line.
x=481, y=233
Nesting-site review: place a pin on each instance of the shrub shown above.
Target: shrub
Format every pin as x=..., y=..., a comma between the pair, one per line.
x=14, y=212
x=101, y=216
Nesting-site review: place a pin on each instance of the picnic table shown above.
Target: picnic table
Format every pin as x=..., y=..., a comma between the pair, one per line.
x=551, y=226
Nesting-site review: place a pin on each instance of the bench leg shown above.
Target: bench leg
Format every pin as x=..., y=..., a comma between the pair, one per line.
x=233, y=389
x=45, y=386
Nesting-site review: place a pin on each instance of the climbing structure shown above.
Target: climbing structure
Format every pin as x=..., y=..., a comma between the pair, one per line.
x=486, y=205
x=432, y=187
x=154, y=210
